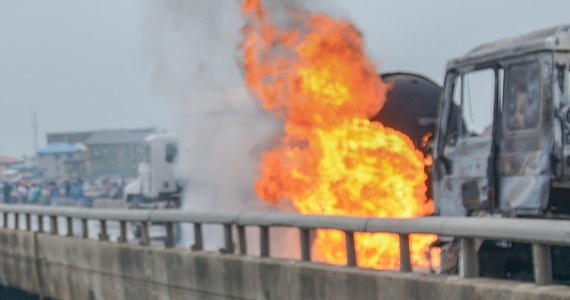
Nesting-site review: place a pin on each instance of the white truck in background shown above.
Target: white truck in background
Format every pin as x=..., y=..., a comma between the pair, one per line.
x=156, y=185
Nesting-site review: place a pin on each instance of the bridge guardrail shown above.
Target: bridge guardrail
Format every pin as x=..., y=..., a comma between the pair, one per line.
x=541, y=234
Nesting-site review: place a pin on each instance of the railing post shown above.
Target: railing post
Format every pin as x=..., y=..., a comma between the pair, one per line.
x=469, y=265
x=69, y=226
x=16, y=221
x=40, y=223
x=229, y=239
x=198, y=238
x=85, y=228
x=145, y=236
x=242, y=240
x=28, y=222
x=53, y=225
x=405, y=264
x=265, y=251
x=305, y=241
x=542, y=264
x=123, y=235
x=169, y=241
x=350, y=249
x=5, y=220
x=103, y=236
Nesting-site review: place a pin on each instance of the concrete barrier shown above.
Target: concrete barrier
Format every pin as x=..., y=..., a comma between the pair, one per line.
x=73, y=268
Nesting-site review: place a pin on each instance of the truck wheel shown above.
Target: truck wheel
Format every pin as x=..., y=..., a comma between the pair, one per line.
x=137, y=231
x=178, y=233
x=522, y=276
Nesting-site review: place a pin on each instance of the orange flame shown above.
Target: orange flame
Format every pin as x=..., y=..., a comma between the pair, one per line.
x=332, y=160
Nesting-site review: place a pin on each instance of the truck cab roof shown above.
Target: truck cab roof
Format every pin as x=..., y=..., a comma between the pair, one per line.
x=165, y=136
x=550, y=39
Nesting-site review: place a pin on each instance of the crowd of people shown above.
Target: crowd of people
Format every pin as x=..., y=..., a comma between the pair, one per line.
x=111, y=188
x=22, y=191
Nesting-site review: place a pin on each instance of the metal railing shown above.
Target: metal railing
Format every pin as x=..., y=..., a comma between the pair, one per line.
x=541, y=234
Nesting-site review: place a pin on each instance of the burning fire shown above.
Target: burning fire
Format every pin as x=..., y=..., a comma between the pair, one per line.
x=331, y=159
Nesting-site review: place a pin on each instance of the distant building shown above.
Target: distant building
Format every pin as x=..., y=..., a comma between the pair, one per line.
x=8, y=161
x=61, y=160
x=116, y=152
x=69, y=137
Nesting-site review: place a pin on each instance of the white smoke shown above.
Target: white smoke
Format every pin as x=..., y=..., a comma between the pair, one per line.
x=221, y=129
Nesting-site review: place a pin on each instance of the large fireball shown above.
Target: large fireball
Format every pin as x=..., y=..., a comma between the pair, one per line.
x=332, y=160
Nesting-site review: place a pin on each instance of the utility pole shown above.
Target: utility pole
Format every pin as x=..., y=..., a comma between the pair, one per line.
x=35, y=131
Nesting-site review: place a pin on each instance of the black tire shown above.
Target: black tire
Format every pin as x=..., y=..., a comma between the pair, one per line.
x=137, y=230
x=523, y=276
x=178, y=234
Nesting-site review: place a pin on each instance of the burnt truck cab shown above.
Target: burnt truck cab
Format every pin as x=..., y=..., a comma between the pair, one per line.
x=510, y=151
x=508, y=155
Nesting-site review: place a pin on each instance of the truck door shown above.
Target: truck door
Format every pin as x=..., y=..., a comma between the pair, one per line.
x=526, y=138
x=461, y=178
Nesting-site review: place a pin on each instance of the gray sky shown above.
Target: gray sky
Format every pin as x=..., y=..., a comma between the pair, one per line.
x=86, y=64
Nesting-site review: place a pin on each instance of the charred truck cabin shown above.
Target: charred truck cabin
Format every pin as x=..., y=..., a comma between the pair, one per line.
x=509, y=153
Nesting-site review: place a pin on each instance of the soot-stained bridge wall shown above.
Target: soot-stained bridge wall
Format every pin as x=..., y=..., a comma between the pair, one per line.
x=73, y=268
